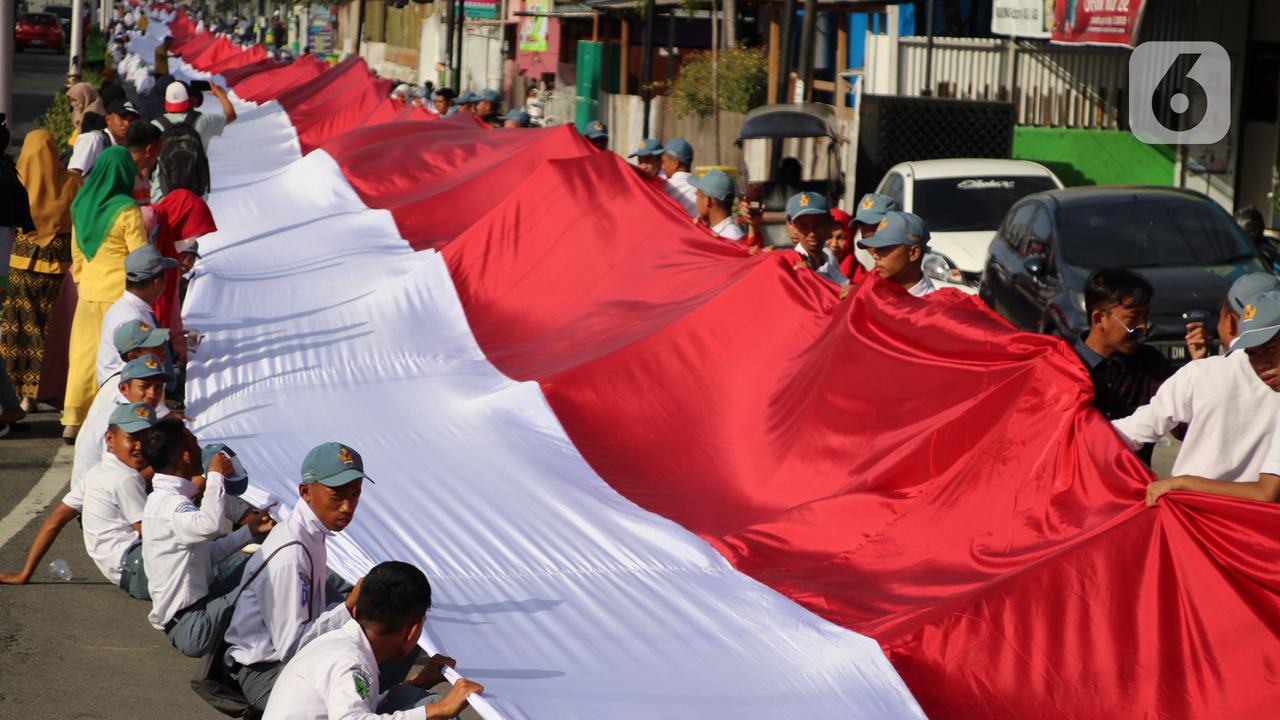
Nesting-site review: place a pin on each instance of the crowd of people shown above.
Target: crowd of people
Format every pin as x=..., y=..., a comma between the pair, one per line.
x=109, y=226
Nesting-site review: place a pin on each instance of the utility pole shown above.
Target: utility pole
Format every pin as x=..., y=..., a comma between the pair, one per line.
x=715, y=76
x=6, y=61
x=76, y=54
x=786, y=51
x=730, y=9
x=449, y=20
x=807, y=31
x=646, y=57
x=462, y=31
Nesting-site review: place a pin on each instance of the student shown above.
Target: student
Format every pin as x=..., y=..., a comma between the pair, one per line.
x=1125, y=373
x=442, y=101
x=143, y=141
x=515, y=119
x=466, y=102
x=178, y=110
x=285, y=608
x=488, y=103
x=336, y=675
x=120, y=115
x=193, y=570
x=714, y=197
x=144, y=271
x=809, y=226
x=1260, y=342
x=115, y=496
x=898, y=246
x=1230, y=413
x=871, y=210
x=598, y=134
x=91, y=447
x=649, y=157
x=677, y=159
x=1246, y=286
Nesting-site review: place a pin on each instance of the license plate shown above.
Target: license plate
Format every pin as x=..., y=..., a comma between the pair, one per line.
x=1174, y=352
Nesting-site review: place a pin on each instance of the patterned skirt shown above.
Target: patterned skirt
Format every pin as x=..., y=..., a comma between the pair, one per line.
x=27, y=308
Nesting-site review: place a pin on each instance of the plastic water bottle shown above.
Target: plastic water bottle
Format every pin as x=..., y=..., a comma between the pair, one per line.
x=60, y=570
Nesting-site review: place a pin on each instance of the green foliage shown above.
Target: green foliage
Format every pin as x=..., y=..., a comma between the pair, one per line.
x=744, y=74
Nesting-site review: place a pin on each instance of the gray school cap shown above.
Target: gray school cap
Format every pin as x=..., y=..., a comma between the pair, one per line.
x=715, y=184
x=333, y=464
x=873, y=207
x=132, y=417
x=1259, y=321
x=136, y=334
x=145, y=263
x=1248, y=286
x=680, y=149
x=897, y=228
x=235, y=483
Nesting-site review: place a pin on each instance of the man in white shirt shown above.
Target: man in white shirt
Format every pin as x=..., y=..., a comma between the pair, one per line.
x=1260, y=342
x=144, y=273
x=649, y=157
x=898, y=248
x=677, y=159
x=714, y=196
x=1230, y=413
x=193, y=570
x=120, y=115
x=286, y=608
x=115, y=495
x=336, y=675
x=809, y=226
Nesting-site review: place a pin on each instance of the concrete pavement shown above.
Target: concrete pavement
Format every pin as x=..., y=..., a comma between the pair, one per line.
x=37, y=76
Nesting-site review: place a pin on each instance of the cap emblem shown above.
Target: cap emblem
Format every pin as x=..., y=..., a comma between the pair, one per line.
x=804, y=201
x=140, y=411
x=867, y=202
x=1249, y=312
x=144, y=327
x=882, y=224
x=344, y=455
x=151, y=363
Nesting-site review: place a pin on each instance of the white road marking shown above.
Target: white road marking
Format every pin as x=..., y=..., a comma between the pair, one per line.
x=50, y=485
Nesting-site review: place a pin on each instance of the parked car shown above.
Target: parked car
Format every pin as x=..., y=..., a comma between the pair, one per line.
x=39, y=30
x=64, y=16
x=1187, y=246
x=962, y=201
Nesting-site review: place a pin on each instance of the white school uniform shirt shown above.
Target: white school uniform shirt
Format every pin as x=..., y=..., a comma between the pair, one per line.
x=91, y=443
x=87, y=149
x=270, y=622
x=922, y=288
x=1230, y=416
x=114, y=498
x=729, y=229
x=830, y=267
x=181, y=543
x=128, y=307
x=334, y=677
x=679, y=189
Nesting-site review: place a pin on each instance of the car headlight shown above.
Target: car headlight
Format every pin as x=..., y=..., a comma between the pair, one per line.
x=940, y=268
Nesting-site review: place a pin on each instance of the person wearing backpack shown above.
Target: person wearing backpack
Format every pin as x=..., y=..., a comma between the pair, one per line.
x=178, y=110
x=184, y=162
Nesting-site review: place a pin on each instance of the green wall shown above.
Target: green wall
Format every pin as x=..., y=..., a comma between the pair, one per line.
x=1095, y=157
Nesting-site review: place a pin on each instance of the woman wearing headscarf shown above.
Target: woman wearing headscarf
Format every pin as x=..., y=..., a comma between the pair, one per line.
x=37, y=263
x=180, y=219
x=83, y=99
x=106, y=225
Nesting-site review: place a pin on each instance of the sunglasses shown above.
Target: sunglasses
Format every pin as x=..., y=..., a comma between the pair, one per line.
x=1135, y=334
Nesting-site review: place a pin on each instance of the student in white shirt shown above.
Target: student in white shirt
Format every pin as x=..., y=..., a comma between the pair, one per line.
x=649, y=157
x=337, y=674
x=115, y=495
x=1260, y=341
x=193, y=570
x=144, y=270
x=809, y=225
x=898, y=248
x=1230, y=413
x=677, y=159
x=714, y=196
x=89, y=450
x=285, y=608
x=120, y=115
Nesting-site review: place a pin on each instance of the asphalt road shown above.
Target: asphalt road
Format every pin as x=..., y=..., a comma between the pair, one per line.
x=37, y=76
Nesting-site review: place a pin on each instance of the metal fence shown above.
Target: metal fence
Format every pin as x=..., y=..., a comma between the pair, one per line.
x=1050, y=85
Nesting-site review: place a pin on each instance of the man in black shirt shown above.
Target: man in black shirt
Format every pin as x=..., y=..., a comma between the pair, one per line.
x=1125, y=373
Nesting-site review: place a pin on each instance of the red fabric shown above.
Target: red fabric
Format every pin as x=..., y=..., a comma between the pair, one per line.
x=265, y=86
x=235, y=75
x=182, y=215
x=238, y=59
x=910, y=468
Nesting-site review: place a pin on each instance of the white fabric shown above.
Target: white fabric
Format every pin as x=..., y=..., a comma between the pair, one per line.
x=1230, y=416
x=128, y=307
x=114, y=497
x=830, y=267
x=284, y=608
x=563, y=598
x=91, y=443
x=924, y=287
x=679, y=189
x=320, y=682
x=87, y=149
x=729, y=229
x=182, y=542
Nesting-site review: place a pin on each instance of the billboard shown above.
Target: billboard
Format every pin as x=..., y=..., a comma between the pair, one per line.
x=1073, y=22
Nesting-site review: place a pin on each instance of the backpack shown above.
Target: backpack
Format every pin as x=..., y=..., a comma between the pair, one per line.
x=183, y=162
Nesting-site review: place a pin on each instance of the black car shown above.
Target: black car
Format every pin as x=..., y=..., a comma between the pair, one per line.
x=1187, y=246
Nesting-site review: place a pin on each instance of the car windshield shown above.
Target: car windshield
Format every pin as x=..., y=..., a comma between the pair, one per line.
x=38, y=19
x=977, y=202
x=1151, y=231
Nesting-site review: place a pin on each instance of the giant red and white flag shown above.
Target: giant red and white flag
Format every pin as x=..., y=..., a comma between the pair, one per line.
x=648, y=474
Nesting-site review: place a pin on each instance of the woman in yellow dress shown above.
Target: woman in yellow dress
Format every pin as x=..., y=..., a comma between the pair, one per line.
x=106, y=227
